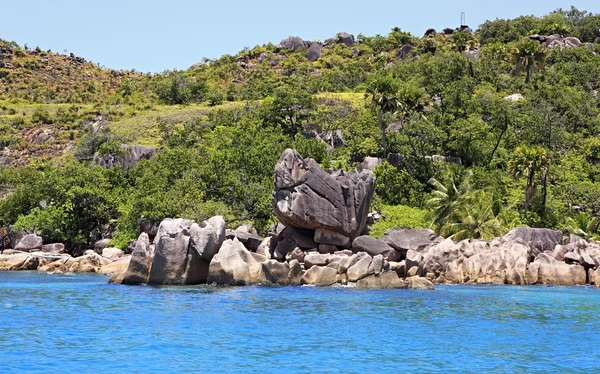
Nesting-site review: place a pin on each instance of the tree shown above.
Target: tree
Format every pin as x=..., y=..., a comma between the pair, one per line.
x=382, y=93
x=476, y=219
x=525, y=55
x=447, y=199
x=289, y=107
x=583, y=225
x=529, y=162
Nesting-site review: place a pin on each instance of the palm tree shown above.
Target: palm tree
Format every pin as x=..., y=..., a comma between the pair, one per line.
x=526, y=54
x=583, y=225
x=476, y=219
x=447, y=199
x=528, y=162
x=382, y=92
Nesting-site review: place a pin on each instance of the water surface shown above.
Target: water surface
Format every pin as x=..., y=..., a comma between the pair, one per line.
x=81, y=324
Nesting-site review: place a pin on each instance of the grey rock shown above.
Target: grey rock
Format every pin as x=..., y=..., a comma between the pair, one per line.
x=55, y=248
x=29, y=243
x=234, y=265
x=138, y=269
x=250, y=241
x=361, y=268
x=374, y=247
x=127, y=158
x=540, y=240
x=418, y=240
x=314, y=52
x=276, y=272
x=320, y=276
x=307, y=197
x=293, y=43
x=316, y=260
x=100, y=245
x=345, y=38
x=385, y=280
x=419, y=283
x=550, y=271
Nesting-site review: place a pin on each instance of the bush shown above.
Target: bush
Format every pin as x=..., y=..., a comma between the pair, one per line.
x=42, y=116
x=398, y=216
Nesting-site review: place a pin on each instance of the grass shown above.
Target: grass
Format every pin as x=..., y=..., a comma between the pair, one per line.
x=398, y=216
x=357, y=99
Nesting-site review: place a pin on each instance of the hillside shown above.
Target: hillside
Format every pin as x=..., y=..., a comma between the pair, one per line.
x=484, y=129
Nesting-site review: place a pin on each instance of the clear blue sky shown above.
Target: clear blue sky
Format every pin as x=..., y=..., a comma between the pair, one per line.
x=152, y=35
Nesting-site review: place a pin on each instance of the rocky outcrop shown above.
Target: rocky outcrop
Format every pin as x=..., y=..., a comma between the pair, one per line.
x=345, y=38
x=138, y=268
x=128, y=157
x=540, y=240
x=320, y=276
x=18, y=261
x=332, y=205
x=293, y=43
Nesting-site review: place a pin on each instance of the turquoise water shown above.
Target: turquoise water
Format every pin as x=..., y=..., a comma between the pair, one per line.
x=81, y=324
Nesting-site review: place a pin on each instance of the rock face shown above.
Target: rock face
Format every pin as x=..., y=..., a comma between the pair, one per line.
x=335, y=205
x=347, y=39
x=138, y=269
x=30, y=242
x=128, y=157
x=539, y=239
x=293, y=43
x=234, y=265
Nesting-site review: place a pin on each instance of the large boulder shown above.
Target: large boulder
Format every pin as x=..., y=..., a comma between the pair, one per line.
x=128, y=156
x=345, y=38
x=54, y=248
x=335, y=205
x=540, y=240
x=249, y=240
x=276, y=272
x=18, y=261
x=387, y=279
x=361, y=267
x=314, y=52
x=418, y=240
x=320, y=276
x=138, y=268
x=546, y=270
x=234, y=265
x=30, y=242
x=419, y=283
x=293, y=43
x=207, y=237
x=112, y=253
x=374, y=247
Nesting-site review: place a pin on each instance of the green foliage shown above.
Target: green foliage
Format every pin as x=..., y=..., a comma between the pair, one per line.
x=398, y=187
x=397, y=216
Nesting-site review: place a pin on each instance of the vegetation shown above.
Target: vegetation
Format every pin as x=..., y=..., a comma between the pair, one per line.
x=478, y=133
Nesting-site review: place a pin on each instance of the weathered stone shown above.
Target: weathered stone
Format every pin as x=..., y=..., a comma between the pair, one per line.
x=128, y=157
x=558, y=273
x=55, y=248
x=540, y=240
x=138, y=268
x=360, y=269
x=118, y=266
x=296, y=272
x=314, y=52
x=29, y=243
x=171, y=226
x=112, y=253
x=316, y=260
x=18, y=261
x=347, y=39
x=276, y=272
x=207, y=237
x=385, y=280
x=398, y=267
x=402, y=240
x=100, y=245
x=250, y=241
x=265, y=247
x=234, y=265
x=306, y=197
x=297, y=254
x=374, y=247
x=419, y=283
x=320, y=276
x=376, y=266
x=327, y=248
x=293, y=43
x=413, y=258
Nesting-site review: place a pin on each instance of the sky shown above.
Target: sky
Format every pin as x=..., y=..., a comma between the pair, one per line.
x=152, y=35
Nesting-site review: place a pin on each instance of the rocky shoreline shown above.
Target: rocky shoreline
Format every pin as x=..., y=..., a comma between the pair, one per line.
x=320, y=241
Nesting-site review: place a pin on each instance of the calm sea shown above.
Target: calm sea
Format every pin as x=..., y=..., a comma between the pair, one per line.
x=81, y=324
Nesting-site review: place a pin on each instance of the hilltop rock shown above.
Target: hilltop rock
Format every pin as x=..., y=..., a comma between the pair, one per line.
x=293, y=43
x=335, y=205
x=314, y=52
x=347, y=39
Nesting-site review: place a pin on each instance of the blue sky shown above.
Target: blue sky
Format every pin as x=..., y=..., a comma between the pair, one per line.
x=151, y=35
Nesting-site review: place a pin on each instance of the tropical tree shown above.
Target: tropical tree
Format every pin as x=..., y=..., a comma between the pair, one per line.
x=525, y=55
x=447, y=199
x=475, y=219
x=382, y=93
x=529, y=162
x=583, y=225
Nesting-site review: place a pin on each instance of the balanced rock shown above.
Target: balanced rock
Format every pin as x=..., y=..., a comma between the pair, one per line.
x=30, y=242
x=314, y=52
x=293, y=43
x=335, y=205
